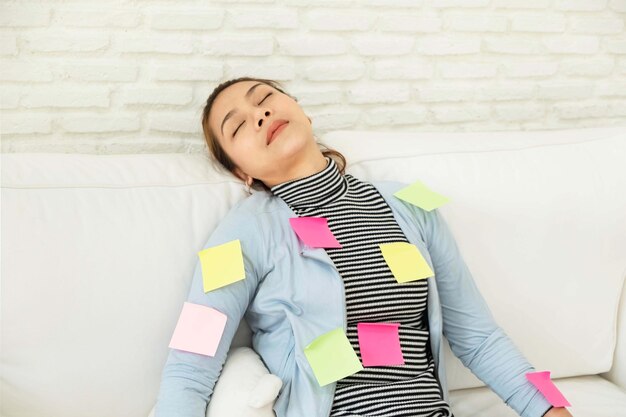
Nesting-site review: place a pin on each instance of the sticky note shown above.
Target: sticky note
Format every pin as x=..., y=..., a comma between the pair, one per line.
x=199, y=329
x=332, y=357
x=405, y=261
x=379, y=344
x=544, y=384
x=314, y=231
x=222, y=265
x=421, y=196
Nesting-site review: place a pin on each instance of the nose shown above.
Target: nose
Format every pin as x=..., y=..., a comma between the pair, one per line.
x=267, y=113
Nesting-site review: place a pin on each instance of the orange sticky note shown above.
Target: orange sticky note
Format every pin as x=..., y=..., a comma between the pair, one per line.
x=222, y=265
x=199, y=329
x=314, y=231
x=379, y=344
x=405, y=261
x=542, y=381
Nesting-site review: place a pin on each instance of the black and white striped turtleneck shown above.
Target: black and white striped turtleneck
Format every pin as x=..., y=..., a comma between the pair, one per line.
x=360, y=219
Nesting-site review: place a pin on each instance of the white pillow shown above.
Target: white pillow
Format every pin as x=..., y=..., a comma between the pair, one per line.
x=244, y=375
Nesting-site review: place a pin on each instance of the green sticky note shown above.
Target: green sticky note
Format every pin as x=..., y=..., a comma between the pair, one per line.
x=421, y=196
x=222, y=265
x=405, y=261
x=332, y=357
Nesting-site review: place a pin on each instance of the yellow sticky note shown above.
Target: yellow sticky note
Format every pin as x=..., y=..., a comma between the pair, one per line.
x=421, y=196
x=222, y=265
x=405, y=261
x=332, y=357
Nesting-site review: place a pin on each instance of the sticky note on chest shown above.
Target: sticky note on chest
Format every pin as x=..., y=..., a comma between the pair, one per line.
x=222, y=265
x=199, y=329
x=331, y=357
x=421, y=196
x=379, y=344
x=314, y=231
x=405, y=261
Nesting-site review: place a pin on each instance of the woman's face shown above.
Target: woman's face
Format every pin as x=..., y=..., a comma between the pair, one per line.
x=240, y=118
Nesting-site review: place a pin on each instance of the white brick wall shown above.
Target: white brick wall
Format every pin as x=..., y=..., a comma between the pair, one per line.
x=132, y=76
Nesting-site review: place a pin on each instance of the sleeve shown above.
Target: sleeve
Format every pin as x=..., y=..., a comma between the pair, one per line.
x=473, y=334
x=188, y=378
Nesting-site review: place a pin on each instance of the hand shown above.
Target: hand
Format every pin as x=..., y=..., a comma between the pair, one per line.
x=558, y=412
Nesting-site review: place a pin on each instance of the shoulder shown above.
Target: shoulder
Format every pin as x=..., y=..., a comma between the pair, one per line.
x=242, y=222
x=242, y=218
x=252, y=205
x=413, y=213
x=248, y=217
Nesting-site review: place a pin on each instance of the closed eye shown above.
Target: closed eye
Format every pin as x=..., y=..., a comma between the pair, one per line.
x=235, y=132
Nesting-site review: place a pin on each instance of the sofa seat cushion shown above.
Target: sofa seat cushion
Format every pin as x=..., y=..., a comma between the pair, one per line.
x=590, y=396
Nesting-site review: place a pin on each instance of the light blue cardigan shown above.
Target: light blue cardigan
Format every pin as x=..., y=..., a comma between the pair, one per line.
x=293, y=293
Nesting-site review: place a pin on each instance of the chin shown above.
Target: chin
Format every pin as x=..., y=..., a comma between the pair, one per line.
x=291, y=145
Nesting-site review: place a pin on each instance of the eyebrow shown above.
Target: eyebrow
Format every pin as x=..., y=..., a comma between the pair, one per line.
x=233, y=111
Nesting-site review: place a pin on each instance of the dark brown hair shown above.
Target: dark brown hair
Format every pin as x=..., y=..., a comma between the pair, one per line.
x=218, y=153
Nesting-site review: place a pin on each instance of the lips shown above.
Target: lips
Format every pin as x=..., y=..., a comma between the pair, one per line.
x=273, y=127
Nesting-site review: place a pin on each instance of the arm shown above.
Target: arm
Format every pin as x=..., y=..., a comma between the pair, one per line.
x=474, y=336
x=188, y=378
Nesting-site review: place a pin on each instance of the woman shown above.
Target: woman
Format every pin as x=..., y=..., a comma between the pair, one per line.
x=292, y=293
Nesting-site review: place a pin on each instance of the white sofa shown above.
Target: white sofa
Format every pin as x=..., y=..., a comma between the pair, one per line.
x=98, y=252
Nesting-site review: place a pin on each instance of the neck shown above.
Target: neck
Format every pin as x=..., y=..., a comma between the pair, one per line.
x=316, y=190
x=305, y=169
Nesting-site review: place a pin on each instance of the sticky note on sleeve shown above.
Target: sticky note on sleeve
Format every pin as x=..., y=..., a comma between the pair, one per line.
x=421, y=196
x=544, y=384
x=379, y=344
x=199, y=329
x=222, y=265
x=405, y=261
x=331, y=357
x=314, y=231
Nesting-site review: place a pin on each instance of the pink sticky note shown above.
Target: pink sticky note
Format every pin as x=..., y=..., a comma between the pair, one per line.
x=199, y=329
x=544, y=384
x=380, y=344
x=314, y=231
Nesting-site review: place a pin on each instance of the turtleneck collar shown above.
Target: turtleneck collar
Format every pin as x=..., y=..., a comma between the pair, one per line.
x=315, y=190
